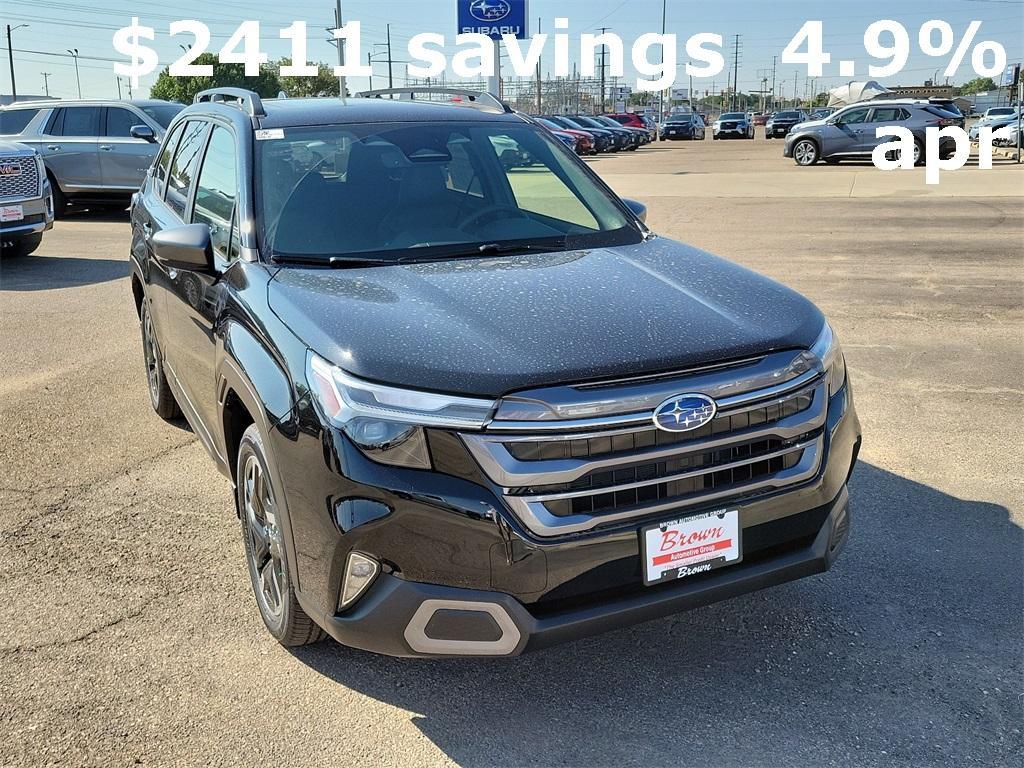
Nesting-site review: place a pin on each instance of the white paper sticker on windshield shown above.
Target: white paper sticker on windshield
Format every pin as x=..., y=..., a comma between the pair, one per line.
x=269, y=133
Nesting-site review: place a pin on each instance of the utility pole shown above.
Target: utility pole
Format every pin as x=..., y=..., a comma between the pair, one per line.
x=773, y=83
x=118, y=78
x=661, y=93
x=369, y=63
x=340, y=45
x=46, y=81
x=796, y=101
x=10, y=60
x=391, y=77
x=540, y=100
x=735, y=73
x=604, y=60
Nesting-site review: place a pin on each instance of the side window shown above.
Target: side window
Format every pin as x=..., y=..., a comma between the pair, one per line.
x=887, y=115
x=179, y=181
x=853, y=117
x=15, y=120
x=461, y=175
x=120, y=122
x=163, y=165
x=83, y=122
x=216, y=190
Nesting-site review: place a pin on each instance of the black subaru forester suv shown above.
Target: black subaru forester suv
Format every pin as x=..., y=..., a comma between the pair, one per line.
x=469, y=403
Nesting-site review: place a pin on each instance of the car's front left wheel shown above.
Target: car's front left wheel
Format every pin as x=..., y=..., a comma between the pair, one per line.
x=269, y=571
x=805, y=152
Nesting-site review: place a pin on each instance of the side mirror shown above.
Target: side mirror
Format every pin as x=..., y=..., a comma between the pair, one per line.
x=639, y=209
x=143, y=132
x=187, y=247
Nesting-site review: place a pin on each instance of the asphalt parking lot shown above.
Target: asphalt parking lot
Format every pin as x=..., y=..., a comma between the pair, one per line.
x=128, y=631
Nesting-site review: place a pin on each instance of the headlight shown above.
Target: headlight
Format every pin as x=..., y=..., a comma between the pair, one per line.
x=386, y=423
x=828, y=351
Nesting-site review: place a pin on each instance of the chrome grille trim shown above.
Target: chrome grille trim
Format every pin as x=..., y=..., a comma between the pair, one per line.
x=669, y=478
x=23, y=186
x=538, y=519
x=571, y=476
x=508, y=471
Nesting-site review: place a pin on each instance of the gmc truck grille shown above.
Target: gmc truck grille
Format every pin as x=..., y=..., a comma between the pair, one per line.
x=19, y=177
x=601, y=472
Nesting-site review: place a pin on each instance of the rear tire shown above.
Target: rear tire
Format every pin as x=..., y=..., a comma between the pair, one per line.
x=265, y=551
x=160, y=395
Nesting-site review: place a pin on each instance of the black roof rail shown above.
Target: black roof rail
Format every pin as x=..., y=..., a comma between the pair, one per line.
x=249, y=101
x=459, y=96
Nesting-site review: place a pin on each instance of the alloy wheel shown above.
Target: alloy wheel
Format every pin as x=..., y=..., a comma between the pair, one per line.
x=266, y=546
x=152, y=356
x=805, y=153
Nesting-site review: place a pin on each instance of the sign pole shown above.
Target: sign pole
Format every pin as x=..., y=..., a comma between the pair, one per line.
x=494, y=80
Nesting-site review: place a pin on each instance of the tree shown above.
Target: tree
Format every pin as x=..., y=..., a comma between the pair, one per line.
x=978, y=85
x=323, y=83
x=184, y=89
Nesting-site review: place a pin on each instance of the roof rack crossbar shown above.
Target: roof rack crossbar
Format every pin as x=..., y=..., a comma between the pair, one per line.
x=478, y=99
x=247, y=100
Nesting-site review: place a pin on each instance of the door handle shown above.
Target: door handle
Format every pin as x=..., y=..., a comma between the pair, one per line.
x=106, y=147
x=54, y=147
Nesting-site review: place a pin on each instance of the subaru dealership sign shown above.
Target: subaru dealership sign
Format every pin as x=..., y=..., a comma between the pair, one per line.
x=494, y=18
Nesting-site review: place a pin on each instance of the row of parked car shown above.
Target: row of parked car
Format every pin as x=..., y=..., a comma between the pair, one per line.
x=593, y=134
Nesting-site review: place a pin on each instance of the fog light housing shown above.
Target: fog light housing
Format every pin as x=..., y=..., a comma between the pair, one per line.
x=360, y=571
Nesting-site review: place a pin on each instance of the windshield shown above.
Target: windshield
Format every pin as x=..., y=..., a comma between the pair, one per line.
x=436, y=190
x=788, y=116
x=733, y=116
x=1000, y=111
x=162, y=113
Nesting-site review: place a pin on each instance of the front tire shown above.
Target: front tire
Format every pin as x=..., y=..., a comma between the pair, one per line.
x=24, y=246
x=60, y=200
x=269, y=572
x=805, y=152
x=160, y=395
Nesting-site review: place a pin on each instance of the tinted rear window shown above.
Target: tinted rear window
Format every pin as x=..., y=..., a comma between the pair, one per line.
x=15, y=120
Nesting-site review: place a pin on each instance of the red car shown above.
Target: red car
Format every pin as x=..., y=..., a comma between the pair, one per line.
x=760, y=118
x=633, y=120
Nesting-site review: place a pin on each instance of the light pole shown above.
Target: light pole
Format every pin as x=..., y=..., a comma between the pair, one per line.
x=10, y=60
x=78, y=79
x=46, y=82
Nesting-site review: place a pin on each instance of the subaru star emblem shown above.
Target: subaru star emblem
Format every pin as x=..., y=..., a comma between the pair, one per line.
x=489, y=10
x=684, y=412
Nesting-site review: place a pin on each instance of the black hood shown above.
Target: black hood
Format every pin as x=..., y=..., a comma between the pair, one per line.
x=491, y=326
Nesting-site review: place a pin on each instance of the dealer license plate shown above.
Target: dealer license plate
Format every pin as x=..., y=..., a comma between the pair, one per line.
x=11, y=213
x=691, y=545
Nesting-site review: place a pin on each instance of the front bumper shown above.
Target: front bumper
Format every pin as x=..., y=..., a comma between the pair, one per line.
x=38, y=215
x=444, y=535
x=403, y=618
x=739, y=132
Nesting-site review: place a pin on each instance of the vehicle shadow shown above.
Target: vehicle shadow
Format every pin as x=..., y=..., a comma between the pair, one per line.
x=45, y=273
x=905, y=653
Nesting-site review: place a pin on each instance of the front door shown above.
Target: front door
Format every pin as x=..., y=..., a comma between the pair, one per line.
x=123, y=158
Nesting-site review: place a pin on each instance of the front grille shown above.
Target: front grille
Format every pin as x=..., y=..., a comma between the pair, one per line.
x=560, y=482
x=728, y=126
x=25, y=183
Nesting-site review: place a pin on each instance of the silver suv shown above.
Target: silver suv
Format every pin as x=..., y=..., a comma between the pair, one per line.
x=850, y=132
x=93, y=151
x=26, y=202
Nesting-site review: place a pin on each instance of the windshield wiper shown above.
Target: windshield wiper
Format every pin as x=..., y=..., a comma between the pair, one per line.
x=332, y=261
x=500, y=249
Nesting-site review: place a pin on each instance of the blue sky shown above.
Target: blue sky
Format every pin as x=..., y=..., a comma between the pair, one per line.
x=765, y=27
